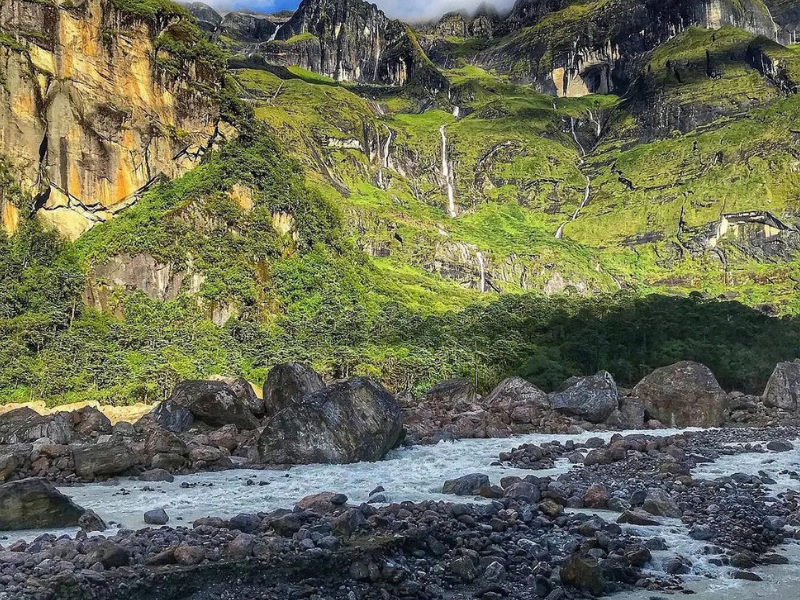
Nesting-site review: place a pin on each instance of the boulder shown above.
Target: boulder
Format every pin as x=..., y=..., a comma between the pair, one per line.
x=456, y=394
x=88, y=420
x=630, y=415
x=523, y=490
x=169, y=415
x=783, y=387
x=35, y=504
x=157, y=475
x=685, y=394
x=8, y=464
x=468, y=485
x=160, y=441
x=244, y=391
x=214, y=403
x=583, y=573
x=350, y=421
x=286, y=384
x=661, y=504
x=592, y=398
x=517, y=399
x=26, y=425
x=157, y=516
x=637, y=517
x=102, y=459
x=323, y=502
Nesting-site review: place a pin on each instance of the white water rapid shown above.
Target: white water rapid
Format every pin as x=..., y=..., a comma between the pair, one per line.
x=447, y=174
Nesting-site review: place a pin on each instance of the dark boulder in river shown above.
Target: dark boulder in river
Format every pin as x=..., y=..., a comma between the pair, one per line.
x=685, y=394
x=350, y=421
x=34, y=504
x=288, y=382
x=212, y=402
x=592, y=398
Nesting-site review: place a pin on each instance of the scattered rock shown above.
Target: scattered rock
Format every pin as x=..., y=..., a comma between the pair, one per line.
x=157, y=516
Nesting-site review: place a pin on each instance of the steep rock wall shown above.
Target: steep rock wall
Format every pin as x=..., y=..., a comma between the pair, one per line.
x=93, y=109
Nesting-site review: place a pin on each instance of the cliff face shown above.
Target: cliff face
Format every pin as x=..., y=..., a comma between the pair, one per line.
x=351, y=40
x=574, y=53
x=97, y=103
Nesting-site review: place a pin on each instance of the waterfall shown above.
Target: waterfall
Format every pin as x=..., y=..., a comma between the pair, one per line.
x=586, y=192
x=386, y=150
x=275, y=33
x=575, y=137
x=456, y=112
x=482, y=282
x=447, y=173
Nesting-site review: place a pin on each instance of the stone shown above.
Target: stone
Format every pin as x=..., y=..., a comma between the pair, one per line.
x=244, y=391
x=188, y=556
x=468, y=485
x=459, y=394
x=783, y=387
x=685, y=394
x=638, y=517
x=348, y=522
x=90, y=521
x=164, y=441
x=519, y=400
x=629, y=415
x=102, y=459
x=154, y=475
x=288, y=383
x=88, y=420
x=596, y=496
x=245, y=522
x=167, y=461
x=321, y=503
x=157, y=516
x=214, y=403
x=240, y=547
x=350, y=421
x=523, y=490
x=26, y=425
x=661, y=504
x=113, y=556
x=701, y=532
x=780, y=446
x=36, y=504
x=592, y=398
x=171, y=416
x=583, y=573
x=464, y=568
x=8, y=464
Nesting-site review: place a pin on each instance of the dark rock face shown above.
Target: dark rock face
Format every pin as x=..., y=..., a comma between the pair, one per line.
x=102, y=460
x=214, y=403
x=783, y=387
x=456, y=393
x=89, y=420
x=172, y=416
x=355, y=420
x=207, y=18
x=35, y=503
x=685, y=394
x=286, y=384
x=351, y=40
x=584, y=573
x=26, y=425
x=592, y=398
x=468, y=485
x=245, y=27
x=519, y=399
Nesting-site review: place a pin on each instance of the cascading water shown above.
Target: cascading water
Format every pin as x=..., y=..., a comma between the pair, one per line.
x=588, y=189
x=447, y=174
x=482, y=265
x=275, y=33
x=456, y=112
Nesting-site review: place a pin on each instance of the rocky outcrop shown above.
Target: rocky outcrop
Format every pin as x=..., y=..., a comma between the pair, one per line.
x=207, y=18
x=26, y=425
x=350, y=421
x=249, y=28
x=103, y=459
x=685, y=394
x=352, y=40
x=98, y=102
x=36, y=504
x=286, y=383
x=592, y=398
x=214, y=403
x=783, y=387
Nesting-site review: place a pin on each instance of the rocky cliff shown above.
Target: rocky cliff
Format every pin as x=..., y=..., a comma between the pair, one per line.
x=99, y=101
x=351, y=40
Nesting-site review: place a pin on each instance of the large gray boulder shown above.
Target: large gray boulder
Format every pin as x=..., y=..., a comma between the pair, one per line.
x=103, y=459
x=517, y=400
x=454, y=394
x=783, y=387
x=26, y=425
x=214, y=403
x=244, y=391
x=36, y=504
x=171, y=416
x=89, y=420
x=592, y=398
x=286, y=383
x=685, y=394
x=350, y=421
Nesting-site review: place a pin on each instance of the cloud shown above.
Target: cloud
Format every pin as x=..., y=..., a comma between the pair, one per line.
x=410, y=10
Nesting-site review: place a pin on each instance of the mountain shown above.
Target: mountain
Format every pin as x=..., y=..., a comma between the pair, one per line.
x=408, y=202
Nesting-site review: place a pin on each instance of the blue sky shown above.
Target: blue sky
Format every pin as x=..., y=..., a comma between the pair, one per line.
x=403, y=9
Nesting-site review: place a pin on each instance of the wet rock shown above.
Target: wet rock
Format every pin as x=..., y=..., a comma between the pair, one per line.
x=288, y=383
x=187, y=555
x=660, y=504
x=746, y=575
x=678, y=566
x=701, y=532
x=637, y=517
x=247, y=523
x=90, y=521
x=350, y=421
x=780, y=446
x=113, y=556
x=323, y=502
x=240, y=547
x=154, y=475
x=592, y=398
x=214, y=403
x=157, y=516
x=34, y=504
x=102, y=459
x=583, y=573
x=783, y=387
x=468, y=485
x=685, y=394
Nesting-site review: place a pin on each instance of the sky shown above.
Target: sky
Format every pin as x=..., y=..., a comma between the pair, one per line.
x=401, y=9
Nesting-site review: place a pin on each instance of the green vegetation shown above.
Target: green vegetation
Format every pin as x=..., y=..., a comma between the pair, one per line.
x=161, y=10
